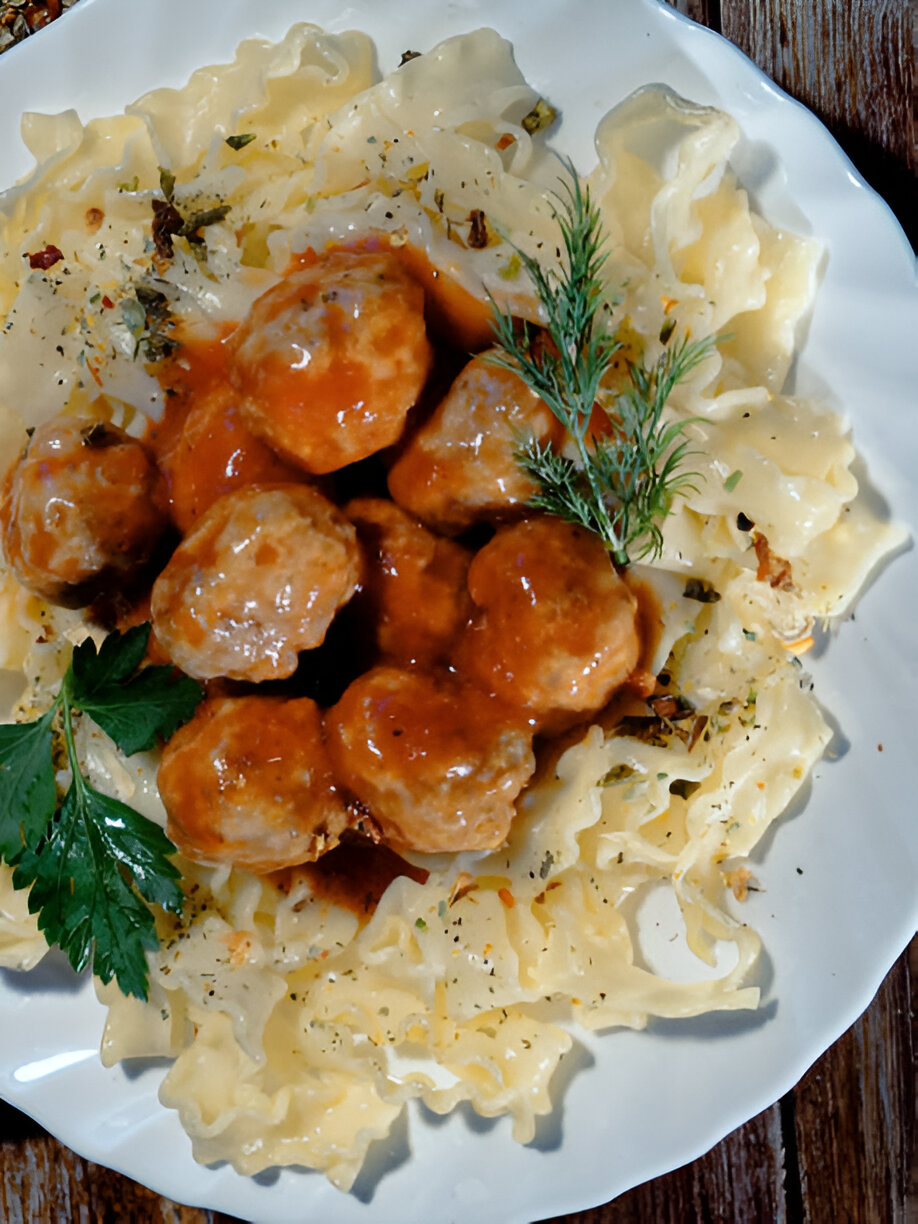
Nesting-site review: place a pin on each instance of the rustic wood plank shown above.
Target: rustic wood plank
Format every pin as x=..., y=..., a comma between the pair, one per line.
x=45, y=1183
x=850, y=59
x=851, y=62
x=855, y=1116
x=705, y=12
x=740, y=1179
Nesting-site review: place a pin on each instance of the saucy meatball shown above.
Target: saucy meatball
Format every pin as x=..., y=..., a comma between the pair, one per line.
x=554, y=626
x=414, y=588
x=256, y=581
x=460, y=467
x=329, y=361
x=437, y=763
x=82, y=508
x=248, y=782
x=212, y=453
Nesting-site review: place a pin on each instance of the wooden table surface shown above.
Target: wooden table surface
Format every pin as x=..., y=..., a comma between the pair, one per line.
x=841, y=1147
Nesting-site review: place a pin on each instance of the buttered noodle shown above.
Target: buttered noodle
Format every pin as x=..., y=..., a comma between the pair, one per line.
x=297, y=1032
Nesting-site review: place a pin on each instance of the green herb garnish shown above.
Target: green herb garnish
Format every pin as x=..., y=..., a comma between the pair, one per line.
x=93, y=862
x=239, y=142
x=623, y=481
x=732, y=481
x=169, y=222
x=148, y=318
x=540, y=117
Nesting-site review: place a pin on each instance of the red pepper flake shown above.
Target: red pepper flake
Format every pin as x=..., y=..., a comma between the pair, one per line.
x=107, y=302
x=505, y=142
x=507, y=897
x=47, y=258
x=774, y=570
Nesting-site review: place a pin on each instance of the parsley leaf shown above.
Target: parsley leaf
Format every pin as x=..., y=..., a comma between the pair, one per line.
x=28, y=795
x=84, y=899
x=135, y=710
x=92, y=862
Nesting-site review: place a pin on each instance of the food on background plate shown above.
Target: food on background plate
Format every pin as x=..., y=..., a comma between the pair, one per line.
x=496, y=641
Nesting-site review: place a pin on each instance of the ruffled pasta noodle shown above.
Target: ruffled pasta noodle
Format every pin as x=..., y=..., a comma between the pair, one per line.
x=297, y=1032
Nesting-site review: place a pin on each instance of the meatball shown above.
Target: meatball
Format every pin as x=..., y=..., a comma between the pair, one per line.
x=248, y=782
x=437, y=763
x=554, y=627
x=82, y=509
x=259, y=579
x=414, y=589
x=329, y=361
x=214, y=452
x=460, y=467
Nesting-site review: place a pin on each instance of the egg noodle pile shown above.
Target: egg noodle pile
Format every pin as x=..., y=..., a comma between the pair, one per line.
x=299, y=1032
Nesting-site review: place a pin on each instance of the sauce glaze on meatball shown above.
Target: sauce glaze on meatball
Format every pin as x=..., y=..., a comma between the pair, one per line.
x=414, y=593
x=83, y=507
x=438, y=764
x=210, y=451
x=330, y=360
x=248, y=782
x=259, y=579
x=554, y=626
x=460, y=467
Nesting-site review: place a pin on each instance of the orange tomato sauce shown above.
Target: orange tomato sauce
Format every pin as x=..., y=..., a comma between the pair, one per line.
x=353, y=876
x=203, y=447
x=453, y=314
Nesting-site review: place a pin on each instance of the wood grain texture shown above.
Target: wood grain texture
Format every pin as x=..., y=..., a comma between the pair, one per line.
x=740, y=1179
x=854, y=1116
x=852, y=63
x=705, y=12
x=41, y=1182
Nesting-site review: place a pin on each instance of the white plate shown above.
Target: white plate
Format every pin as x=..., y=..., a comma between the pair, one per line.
x=633, y=1105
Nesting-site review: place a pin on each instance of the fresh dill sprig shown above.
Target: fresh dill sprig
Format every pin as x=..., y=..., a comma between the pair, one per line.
x=621, y=483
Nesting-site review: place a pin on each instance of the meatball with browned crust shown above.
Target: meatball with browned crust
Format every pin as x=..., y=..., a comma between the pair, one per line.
x=81, y=510
x=329, y=361
x=259, y=579
x=414, y=592
x=248, y=782
x=437, y=764
x=554, y=627
x=461, y=466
